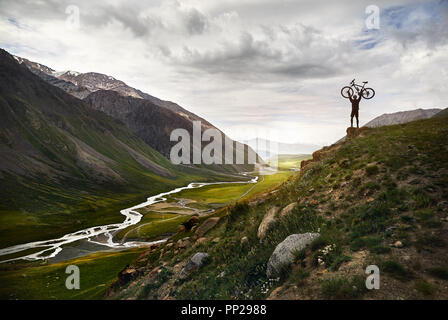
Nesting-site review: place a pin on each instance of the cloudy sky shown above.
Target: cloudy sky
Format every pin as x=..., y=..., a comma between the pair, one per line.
x=250, y=67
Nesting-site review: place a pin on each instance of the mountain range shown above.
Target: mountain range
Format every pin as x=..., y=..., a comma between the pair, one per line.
x=67, y=165
x=401, y=117
x=81, y=85
x=148, y=117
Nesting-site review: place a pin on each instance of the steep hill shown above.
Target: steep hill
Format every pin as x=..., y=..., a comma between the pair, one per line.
x=376, y=199
x=64, y=163
x=154, y=124
x=388, y=119
x=150, y=118
x=82, y=84
x=442, y=113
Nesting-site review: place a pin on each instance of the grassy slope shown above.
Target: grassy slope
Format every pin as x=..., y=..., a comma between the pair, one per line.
x=97, y=272
x=227, y=193
x=365, y=195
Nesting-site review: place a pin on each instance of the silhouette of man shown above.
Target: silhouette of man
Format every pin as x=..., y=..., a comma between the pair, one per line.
x=355, y=108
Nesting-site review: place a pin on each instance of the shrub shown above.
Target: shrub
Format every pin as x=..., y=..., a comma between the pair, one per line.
x=237, y=210
x=396, y=270
x=299, y=276
x=424, y=287
x=439, y=272
x=372, y=170
x=365, y=242
x=431, y=241
x=299, y=254
x=343, y=288
x=368, y=219
x=318, y=243
x=380, y=249
x=424, y=214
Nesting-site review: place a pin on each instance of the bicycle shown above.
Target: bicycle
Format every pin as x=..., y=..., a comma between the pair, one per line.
x=348, y=91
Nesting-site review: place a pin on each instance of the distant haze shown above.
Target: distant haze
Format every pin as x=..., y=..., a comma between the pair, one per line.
x=267, y=149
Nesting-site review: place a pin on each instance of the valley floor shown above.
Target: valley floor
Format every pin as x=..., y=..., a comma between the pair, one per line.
x=27, y=280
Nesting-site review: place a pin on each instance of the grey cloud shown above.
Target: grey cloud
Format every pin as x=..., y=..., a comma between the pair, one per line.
x=196, y=22
x=128, y=15
x=265, y=59
x=91, y=14
x=306, y=70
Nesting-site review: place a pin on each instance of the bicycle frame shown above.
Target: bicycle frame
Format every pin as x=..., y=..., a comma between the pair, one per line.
x=348, y=91
x=357, y=86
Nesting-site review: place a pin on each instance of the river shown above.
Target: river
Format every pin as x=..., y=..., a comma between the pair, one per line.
x=51, y=248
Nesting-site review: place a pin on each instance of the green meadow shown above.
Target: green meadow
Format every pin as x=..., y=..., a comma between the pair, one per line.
x=154, y=225
x=291, y=161
x=227, y=193
x=34, y=281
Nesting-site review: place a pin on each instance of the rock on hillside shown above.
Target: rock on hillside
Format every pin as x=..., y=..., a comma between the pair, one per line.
x=284, y=252
x=195, y=262
x=268, y=219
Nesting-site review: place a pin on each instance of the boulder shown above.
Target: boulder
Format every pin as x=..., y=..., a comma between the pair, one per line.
x=354, y=132
x=126, y=275
x=287, y=209
x=201, y=240
x=268, y=219
x=206, y=226
x=195, y=262
x=398, y=244
x=304, y=163
x=321, y=154
x=283, y=253
x=193, y=221
x=183, y=243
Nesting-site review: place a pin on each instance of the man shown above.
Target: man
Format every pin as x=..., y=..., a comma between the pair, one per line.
x=355, y=108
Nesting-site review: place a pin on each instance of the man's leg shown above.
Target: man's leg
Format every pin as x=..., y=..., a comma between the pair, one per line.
x=357, y=119
x=351, y=117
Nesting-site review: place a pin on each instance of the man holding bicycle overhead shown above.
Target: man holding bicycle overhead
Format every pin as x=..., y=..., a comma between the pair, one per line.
x=355, y=108
x=362, y=92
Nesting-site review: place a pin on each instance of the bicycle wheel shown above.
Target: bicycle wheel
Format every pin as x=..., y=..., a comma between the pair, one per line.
x=347, y=92
x=368, y=93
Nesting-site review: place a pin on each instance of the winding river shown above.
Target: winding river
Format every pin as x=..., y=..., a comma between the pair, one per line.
x=51, y=248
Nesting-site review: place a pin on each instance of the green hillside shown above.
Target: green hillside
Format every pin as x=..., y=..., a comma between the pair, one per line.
x=379, y=198
x=65, y=166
